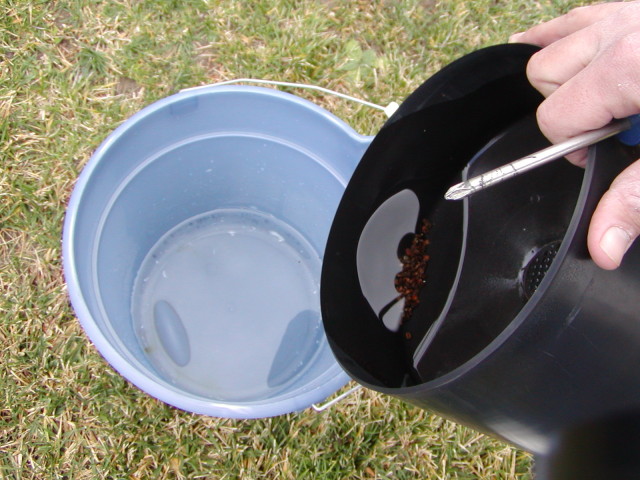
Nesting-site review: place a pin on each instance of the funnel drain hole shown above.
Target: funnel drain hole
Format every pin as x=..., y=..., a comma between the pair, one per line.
x=537, y=267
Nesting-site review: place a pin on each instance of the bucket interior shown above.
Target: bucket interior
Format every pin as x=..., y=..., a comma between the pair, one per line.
x=199, y=257
x=223, y=258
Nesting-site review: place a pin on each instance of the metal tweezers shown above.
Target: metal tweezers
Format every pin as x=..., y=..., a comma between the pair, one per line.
x=524, y=164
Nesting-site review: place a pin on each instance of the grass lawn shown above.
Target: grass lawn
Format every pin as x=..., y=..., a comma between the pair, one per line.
x=70, y=72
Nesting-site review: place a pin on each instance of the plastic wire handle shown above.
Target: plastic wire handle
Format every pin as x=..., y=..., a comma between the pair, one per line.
x=388, y=110
x=339, y=398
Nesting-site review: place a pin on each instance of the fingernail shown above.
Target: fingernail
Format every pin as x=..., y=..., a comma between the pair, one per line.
x=615, y=242
x=514, y=38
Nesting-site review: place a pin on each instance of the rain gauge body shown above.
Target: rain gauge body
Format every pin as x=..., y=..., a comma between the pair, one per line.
x=517, y=332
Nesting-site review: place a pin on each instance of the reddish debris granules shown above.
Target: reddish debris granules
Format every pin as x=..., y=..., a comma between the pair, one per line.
x=412, y=277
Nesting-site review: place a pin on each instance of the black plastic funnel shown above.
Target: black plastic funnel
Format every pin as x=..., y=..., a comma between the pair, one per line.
x=517, y=332
x=600, y=449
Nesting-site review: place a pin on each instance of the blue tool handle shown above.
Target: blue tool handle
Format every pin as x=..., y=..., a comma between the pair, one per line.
x=631, y=136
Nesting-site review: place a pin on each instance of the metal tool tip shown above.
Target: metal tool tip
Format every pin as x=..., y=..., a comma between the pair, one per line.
x=459, y=191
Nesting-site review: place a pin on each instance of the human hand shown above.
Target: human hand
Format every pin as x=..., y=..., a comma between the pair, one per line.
x=589, y=70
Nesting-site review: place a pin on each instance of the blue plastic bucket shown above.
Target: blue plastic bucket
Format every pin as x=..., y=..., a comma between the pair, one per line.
x=193, y=244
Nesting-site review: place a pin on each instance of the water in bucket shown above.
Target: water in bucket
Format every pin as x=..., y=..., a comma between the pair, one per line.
x=193, y=313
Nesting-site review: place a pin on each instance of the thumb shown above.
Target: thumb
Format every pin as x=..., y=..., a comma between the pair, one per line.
x=616, y=222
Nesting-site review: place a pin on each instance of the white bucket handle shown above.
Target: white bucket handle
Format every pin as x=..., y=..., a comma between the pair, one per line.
x=339, y=398
x=388, y=110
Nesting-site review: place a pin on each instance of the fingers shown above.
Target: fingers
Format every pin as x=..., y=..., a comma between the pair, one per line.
x=589, y=70
x=553, y=66
x=560, y=27
x=616, y=222
x=607, y=88
x=572, y=41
